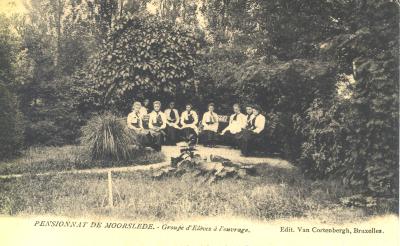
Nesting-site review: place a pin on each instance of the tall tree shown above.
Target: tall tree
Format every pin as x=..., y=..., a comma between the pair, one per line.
x=8, y=46
x=11, y=121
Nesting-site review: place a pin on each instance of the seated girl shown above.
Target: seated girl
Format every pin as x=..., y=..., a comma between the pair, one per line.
x=189, y=120
x=210, y=126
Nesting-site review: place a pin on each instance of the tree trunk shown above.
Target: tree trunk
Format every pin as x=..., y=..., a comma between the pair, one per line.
x=121, y=7
x=59, y=12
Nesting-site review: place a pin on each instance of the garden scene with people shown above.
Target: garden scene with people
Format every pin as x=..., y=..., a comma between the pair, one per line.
x=173, y=109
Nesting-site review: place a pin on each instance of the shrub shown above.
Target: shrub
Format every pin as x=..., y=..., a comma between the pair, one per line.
x=53, y=120
x=355, y=138
x=340, y=144
x=11, y=125
x=144, y=55
x=324, y=148
x=107, y=138
x=367, y=124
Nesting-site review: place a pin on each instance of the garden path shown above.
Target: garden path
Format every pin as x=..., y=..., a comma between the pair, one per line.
x=173, y=151
x=229, y=153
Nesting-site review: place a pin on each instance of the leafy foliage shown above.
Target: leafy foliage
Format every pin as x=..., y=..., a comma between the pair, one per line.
x=358, y=138
x=323, y=151
x=215, y=72
x=7, y=51
x=293, y=71
x=50, y=50
x=11, y=124
x=275, y=85
x=144, y=55
x=11, y=119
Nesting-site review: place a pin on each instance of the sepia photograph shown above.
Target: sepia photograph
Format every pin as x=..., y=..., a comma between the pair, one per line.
x=199, y=122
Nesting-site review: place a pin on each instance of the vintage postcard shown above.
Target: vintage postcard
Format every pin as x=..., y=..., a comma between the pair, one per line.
x=199, y=122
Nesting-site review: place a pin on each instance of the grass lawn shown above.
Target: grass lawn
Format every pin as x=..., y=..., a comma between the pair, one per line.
x=48, y=159
x=275, y=192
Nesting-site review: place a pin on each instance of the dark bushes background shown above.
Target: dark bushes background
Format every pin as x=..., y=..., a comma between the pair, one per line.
x=11, y=124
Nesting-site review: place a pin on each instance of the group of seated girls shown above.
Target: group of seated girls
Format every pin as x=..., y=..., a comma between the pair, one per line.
x=158, y=128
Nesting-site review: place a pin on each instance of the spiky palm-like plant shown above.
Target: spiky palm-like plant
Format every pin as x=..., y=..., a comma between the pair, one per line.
x=107, y=138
